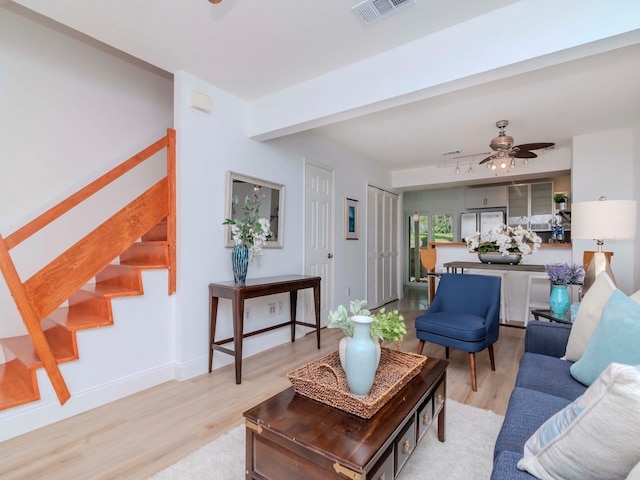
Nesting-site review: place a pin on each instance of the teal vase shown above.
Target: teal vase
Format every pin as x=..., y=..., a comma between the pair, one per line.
x=361, y=357
x=240, y=262
x=559, y=300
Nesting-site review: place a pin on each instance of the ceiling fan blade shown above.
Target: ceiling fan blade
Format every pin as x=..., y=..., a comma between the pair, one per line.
x=471, y=155
x=485, y=160
x=524, y=154
x=534, y=146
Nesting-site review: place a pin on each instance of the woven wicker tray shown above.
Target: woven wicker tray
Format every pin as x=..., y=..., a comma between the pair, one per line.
x=324, y=380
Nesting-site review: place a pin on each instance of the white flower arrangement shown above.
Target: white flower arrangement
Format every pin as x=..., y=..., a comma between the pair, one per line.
x=506, y=240
x=251, y=230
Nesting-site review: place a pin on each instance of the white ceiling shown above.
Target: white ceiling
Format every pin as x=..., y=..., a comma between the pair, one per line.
x=253, y=48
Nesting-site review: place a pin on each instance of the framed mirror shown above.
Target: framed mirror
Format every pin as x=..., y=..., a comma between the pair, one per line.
x=271, y=197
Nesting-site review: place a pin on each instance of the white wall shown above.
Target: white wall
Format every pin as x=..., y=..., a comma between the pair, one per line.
x=70, y=112
x=210, y=144
x=603, y=164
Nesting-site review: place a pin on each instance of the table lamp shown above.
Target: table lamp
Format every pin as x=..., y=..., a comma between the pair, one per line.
x=602, y=220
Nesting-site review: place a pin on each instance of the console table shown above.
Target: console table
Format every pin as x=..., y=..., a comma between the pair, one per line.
x=257, y=287
x=452, y=267
x=292, y=436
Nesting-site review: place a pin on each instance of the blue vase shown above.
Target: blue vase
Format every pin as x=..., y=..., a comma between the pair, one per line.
x=361, y=357
x=240, y=262
x=559, y=300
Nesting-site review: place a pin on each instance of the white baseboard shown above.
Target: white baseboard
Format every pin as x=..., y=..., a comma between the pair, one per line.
x=26, y=418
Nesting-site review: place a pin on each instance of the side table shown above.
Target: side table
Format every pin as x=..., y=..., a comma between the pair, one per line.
x=549, y=315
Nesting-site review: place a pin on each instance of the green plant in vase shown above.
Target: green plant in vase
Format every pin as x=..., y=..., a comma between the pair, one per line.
x=387, y=326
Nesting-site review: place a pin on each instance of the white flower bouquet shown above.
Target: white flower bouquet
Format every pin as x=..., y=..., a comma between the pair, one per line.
x=506, y=240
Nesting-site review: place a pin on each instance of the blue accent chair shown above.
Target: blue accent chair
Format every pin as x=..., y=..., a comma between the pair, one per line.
x=464, y=315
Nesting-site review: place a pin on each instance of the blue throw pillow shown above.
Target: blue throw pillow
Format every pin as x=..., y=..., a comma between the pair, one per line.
x=615, y=339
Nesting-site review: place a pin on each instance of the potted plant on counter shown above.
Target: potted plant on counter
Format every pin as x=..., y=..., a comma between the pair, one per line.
x=561, y=201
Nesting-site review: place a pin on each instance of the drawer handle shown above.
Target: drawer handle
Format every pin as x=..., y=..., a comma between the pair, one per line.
x=426, y=419
x=440, y=399
x=407, y=447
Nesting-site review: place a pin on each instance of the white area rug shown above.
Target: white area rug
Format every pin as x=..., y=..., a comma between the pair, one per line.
x=467, y=453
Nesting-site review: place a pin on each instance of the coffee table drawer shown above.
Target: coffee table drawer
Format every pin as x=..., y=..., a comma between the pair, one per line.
x=438, y=399
x=384, y=469
x=405, y=443
x=425, y=418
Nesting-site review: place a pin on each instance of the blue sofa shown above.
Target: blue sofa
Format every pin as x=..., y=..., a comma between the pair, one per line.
x=543, y=386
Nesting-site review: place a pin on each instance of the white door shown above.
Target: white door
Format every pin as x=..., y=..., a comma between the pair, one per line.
x=318, y=235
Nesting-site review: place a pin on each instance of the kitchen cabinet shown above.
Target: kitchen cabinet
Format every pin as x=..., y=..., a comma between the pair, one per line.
x=486, y=197
x=530, y=205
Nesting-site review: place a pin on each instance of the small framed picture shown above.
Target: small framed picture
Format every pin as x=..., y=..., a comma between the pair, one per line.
x=351, y=216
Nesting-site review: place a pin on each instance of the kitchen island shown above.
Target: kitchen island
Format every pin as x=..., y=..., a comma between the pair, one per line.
x=519, y=281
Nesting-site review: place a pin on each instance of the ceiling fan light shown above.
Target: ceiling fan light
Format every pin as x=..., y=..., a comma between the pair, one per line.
x=492, y=165
x=503, y=164
x=513, y=162
x=470, y=169
x=525, y=161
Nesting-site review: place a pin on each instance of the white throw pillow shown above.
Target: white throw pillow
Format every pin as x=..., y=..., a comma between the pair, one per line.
x=635, y=473
x=595, y=436
x=588, y=316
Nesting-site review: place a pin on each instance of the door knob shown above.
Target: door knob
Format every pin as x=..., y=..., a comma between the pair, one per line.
x=330, y=255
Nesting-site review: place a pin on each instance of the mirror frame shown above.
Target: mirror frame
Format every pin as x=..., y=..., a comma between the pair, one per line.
x=234, y=176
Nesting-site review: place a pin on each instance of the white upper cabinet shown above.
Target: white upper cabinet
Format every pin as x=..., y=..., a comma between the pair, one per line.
x=486, y=197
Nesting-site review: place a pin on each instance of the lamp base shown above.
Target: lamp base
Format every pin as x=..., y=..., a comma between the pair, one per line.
x=598, y=264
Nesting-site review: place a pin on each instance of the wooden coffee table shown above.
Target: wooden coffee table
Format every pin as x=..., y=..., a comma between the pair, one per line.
x=290, y=436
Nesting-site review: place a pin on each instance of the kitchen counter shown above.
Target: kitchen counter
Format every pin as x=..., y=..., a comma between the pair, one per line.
x=463, y=244
x=517, y=279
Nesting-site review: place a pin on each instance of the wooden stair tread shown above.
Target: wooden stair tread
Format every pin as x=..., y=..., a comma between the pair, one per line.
x=22, y=347
x=16, y=385
x=74, y=320
x=148, y=265
x=110, y=290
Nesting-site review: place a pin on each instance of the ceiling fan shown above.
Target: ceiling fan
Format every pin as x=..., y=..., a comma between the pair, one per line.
x=505, y=151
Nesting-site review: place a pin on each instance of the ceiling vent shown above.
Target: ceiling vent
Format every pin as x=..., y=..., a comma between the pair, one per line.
x=370, y=11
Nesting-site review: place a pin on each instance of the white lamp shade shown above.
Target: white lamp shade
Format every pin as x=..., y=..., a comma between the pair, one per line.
x=604, y=219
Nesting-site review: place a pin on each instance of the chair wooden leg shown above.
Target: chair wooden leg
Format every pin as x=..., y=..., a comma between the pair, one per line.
x=446, y=352
x=472, y=367
x=420, y=347
x=493, y=362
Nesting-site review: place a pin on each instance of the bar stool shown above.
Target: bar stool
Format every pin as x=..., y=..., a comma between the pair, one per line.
x=529, y=305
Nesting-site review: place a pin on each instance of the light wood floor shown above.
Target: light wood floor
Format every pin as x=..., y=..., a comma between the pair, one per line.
x=135, y=437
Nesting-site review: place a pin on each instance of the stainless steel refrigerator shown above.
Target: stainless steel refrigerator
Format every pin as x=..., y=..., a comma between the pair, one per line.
x=483, y=222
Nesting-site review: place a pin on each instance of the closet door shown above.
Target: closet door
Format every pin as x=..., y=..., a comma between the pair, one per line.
x=382, y=247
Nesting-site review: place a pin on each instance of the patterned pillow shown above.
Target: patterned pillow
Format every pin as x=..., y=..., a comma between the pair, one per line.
x=595, y=436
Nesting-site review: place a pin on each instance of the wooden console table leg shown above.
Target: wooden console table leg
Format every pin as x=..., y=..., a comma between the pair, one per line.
x=213, y=318
x=293, y=303
x=238, y=332
x=316, y=301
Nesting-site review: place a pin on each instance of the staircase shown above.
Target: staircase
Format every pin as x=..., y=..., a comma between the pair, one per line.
x=74, y=291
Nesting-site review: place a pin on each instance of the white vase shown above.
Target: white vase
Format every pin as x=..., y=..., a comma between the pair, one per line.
x=342, y=350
